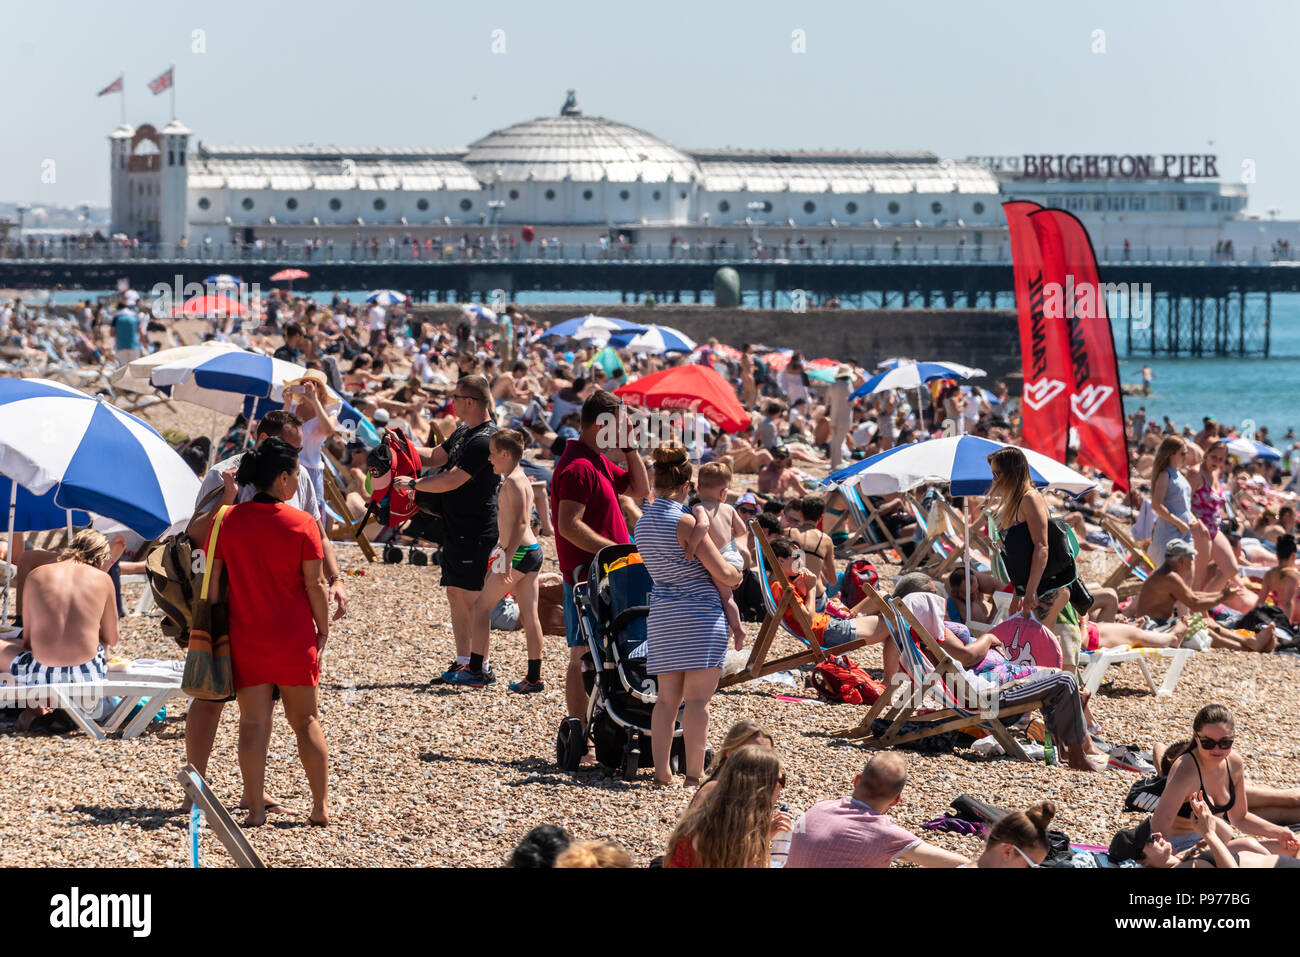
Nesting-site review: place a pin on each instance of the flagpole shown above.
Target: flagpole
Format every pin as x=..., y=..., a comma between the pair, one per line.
x=122, y=79
x=172, y=70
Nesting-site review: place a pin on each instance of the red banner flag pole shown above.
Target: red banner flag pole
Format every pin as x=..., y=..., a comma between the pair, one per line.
x=1044, y=348
x=1096, y=400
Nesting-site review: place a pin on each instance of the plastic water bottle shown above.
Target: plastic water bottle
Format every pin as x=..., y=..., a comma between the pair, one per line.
x=781, y=844
x=1049, y=752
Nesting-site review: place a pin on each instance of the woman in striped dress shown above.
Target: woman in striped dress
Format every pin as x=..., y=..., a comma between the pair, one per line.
x=687, y=629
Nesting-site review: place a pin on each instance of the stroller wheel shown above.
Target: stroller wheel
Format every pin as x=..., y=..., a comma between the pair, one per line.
x=570, y=744
x=677, y=756
x=392, y=555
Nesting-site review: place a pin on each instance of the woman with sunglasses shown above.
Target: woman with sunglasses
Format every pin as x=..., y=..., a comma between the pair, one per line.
x=1019, y=839
x=1210, y=767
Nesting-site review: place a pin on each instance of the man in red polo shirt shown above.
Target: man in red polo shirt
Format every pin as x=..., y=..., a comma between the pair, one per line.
x=587, y=517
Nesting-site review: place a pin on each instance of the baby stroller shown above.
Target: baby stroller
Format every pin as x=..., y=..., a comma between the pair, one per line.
x=612, y=609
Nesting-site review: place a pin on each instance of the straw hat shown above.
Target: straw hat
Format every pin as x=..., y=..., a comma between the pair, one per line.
x=311, y=375
x=845, y=371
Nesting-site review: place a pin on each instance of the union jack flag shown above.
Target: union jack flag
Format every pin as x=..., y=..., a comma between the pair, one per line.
x=114, y=87
x=163, y=82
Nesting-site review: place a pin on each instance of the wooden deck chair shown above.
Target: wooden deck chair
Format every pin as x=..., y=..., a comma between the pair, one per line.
x=758, y=665
x=1135, y=562
x=940, y=548
x=1094, y=665
x=945, y=680
x=870, y=532
x=337, y=504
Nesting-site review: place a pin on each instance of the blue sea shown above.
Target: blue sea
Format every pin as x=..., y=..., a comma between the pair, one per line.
x=1230, y=390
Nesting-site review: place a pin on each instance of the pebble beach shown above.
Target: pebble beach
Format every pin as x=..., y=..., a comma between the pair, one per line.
x=428, y=775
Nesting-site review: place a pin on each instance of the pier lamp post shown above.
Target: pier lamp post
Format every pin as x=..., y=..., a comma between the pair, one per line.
x=21, y=209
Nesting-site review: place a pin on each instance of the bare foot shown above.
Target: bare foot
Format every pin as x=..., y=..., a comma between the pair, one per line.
x=252, y=821
x=271, y=805
x=588, y=759
x=319, y=818
x=1265, y=639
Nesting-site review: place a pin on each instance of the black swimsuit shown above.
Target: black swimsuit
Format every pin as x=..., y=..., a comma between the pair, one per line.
x=1186, y=809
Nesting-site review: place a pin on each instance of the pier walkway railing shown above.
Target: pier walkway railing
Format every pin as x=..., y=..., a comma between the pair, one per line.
x=721, y=253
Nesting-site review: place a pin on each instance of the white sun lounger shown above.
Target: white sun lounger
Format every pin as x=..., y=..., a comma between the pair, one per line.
x=75, y=701
x=1094, y=665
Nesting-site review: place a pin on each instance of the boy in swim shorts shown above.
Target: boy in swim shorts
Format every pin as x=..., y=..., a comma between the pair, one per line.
x=515, y=562
x=715, y=518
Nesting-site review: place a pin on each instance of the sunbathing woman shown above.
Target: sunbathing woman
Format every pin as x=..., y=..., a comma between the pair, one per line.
x=1279, y=805
x=1212, y=768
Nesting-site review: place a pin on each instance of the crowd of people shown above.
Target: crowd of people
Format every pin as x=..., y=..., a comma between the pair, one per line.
x=494, y=438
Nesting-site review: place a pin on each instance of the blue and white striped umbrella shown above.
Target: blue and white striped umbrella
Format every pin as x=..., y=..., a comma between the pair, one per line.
x=95, y=456
x=37, y=513
x=655, y=340
x=223, y=379
x=911, y=375
x=589, y=325
x=223, y=281
x=386, y=297
x=1247, y=449
x=961, y=461
x=480, y=312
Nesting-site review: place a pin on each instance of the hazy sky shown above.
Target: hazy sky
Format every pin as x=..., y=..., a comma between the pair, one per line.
x=957, y=78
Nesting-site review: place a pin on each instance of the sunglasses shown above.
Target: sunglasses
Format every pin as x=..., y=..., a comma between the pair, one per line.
x=747, y=510
x=457, y=395
x=1210, y=744
x=1028, y=860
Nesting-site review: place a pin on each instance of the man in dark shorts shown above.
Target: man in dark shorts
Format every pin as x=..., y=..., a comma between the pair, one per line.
x=467, y=486
x=587, y=516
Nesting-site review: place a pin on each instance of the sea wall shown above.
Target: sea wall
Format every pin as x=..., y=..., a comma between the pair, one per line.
x=986, y=338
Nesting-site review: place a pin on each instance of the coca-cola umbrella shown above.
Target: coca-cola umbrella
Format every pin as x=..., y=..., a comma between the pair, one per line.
x=692, y=388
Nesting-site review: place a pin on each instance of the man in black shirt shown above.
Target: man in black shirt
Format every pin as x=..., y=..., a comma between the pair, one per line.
x=294, y=342
x=468, y=488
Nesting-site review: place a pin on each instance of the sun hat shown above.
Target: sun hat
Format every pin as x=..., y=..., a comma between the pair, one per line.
x=845, y=371
x=1179, y=548
x=748, y=498
x=380, y=416
x=315, y=375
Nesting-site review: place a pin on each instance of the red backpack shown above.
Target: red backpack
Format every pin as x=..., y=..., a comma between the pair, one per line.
x=851, y=590
x=838, y=679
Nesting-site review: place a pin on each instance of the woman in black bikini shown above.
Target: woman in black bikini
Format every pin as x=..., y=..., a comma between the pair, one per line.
x=1211, y=768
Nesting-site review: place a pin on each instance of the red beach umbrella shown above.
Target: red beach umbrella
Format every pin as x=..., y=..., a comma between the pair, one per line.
x=289, y=275
x=210, y=305
x=693, y=388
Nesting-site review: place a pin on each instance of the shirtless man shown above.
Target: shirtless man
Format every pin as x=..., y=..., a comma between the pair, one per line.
x=1167, y=585
x=520, y=557
x=70, y=617
x=778, y=478
x=1281, y=583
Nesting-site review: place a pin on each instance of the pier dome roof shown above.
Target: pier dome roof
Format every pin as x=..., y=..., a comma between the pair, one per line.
x=580, y=148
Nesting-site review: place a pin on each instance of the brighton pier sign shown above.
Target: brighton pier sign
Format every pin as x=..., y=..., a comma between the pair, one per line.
x=1081, y=166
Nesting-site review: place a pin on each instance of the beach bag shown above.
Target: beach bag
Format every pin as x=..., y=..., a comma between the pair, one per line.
x=839, y=679
x=175, y=578
x=1018, y=553
x=208, y=674
x=861, y=570
x=550, y=603
x=505, y=615
x=749, y=597
x=1028, y=642
x=1145, y=794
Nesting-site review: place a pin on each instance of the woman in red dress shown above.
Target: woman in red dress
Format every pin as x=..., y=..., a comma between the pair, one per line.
x=279, y=620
